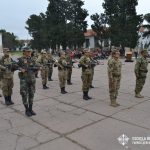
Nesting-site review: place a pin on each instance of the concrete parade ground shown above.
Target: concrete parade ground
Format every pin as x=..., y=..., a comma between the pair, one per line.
x=67, y=122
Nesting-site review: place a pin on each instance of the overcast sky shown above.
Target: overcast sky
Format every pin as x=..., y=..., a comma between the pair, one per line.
x=14, y=13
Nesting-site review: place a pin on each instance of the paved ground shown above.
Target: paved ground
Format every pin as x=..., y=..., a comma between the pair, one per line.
x=66, y=122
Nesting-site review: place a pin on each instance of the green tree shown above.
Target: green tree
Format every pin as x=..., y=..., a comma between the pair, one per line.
x=99, y=26
x=77, y=25
x=123, y=21
x=37, y=29
x=9, y=40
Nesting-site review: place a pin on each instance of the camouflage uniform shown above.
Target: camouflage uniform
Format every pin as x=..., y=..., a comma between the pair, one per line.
x=0, y=79
x=114, y=77
x=62, y=74
x=69, y=68
x=140, y=72
x=43, y=60
x=86, y=76
x=50, y=66
x=27, y=82
x=7, y=79
x=35, y=57
x=93, y=64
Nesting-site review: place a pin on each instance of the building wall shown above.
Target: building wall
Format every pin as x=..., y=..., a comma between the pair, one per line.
x=91, y=42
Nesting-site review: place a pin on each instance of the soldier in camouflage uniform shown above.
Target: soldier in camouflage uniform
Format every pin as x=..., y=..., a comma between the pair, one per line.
x=27, y=67
x=69, y=67
x=34, y=56
x=43, y=60
x=7, y=77
x=1, y=75
x=85, y=63
x=114, y=76
x=93, y=64
x=50, y=66
x=140, y=73
x=62, y=72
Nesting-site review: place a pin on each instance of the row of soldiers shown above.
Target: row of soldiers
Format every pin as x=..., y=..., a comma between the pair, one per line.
x=28, y=68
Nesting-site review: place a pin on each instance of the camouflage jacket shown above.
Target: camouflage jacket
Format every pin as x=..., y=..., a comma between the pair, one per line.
x=50, y=60
x=141, y=67
x=69, y=61
x=29, y=65
x=85, y=63
x=62, y=64
x=43, y=61
x=114, y=68
x=6, y=71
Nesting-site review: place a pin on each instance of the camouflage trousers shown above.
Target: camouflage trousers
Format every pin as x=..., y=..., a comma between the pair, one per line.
x=86, y=78
x=69, y=73
x=27, y=90
x=7, y=86
x=50, y=72
x=92, y=75
x=139, y=84
x=62, y=75
x=44, y=75
x=114, y=85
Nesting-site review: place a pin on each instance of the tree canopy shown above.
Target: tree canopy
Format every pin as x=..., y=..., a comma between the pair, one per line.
x=123, y=22
x=9, y=40
x=62, y=24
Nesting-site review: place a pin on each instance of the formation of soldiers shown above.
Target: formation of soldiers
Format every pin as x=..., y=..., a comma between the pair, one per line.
x=30, y=63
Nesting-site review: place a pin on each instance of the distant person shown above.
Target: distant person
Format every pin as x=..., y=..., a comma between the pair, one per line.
x=135, y=53
x=141, y=73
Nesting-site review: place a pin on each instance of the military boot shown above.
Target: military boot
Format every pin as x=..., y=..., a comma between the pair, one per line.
x=50, y=79
x=139, y=95
x=10, y=100
x=114, y=104
x=7, y=100
x=69, y=82
x=27, y=112
x=85, y=97
x=31, y=110
x=91, y=86
x=63, y=90
x=45, y=87
x=88, y=95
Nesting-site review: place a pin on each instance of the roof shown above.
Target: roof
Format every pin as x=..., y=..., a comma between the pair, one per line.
x=89, y=33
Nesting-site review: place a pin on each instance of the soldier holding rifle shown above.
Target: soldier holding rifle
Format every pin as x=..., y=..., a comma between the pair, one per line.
x=28, y=68
x=86, y=76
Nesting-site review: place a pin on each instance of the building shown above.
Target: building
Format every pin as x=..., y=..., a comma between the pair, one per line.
x=90, y=39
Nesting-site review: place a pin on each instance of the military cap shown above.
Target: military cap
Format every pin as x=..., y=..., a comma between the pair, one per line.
x=62, y=53
x=114, y=50
x=26, y=49
x=43, y=51
x=6, y=50
x=143, y=50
